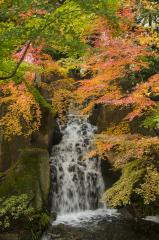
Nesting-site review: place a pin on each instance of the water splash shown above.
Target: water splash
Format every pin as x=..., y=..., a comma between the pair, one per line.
x=85, y=218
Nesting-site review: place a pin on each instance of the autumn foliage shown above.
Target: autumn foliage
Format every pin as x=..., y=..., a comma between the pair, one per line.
x=116, y=58
x=20, y=112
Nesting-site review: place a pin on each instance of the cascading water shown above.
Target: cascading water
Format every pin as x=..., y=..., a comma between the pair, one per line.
x=77, y=184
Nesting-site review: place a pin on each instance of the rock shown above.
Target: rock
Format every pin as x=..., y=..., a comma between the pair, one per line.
x=49, y=133
x=104, y=116
x=109, y=175
x=126, y=214
x=53, y=216
x=29, y=175
x=10, y=150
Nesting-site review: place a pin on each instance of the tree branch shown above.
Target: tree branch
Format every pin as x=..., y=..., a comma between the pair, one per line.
x=18, y=64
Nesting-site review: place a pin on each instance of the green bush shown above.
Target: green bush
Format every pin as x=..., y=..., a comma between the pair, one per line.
x=15, y=213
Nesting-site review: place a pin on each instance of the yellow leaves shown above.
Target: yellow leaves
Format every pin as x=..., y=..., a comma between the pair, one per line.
x=61, y=101
x=62, y=96
x=21, y=115
x=139, y=178
x=102, y=146
x=51, y=66
x=91, y=154
x=150, y=5
x=1, y=2
x=150, y=38
x=121, y=192
x=88, y=108
x=149, y=190
x=118, y=129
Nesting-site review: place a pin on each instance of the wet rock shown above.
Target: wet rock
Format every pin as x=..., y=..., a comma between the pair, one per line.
x=82, y=163
x=53, y=216
x=16, y=235
x=79, y=150
x=71, y=168
x=84, y=132
x=70, y=194
x=86, y=141
x=75, y=178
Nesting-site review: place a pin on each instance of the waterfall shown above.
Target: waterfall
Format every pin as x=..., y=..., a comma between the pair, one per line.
x=77, y=183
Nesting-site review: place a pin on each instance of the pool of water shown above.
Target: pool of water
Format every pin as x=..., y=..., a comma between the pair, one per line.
x=101, y=224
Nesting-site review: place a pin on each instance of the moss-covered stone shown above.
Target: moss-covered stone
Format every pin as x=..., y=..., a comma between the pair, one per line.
x=30, y=175
x=10, y=150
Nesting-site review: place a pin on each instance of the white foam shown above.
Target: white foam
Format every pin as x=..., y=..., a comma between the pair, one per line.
x=152, y=218
x=85, y=217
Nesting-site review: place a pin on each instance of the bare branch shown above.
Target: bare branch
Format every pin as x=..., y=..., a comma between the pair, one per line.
x=18, y=64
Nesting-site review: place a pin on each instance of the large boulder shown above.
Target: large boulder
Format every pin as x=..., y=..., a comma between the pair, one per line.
x=30, y=174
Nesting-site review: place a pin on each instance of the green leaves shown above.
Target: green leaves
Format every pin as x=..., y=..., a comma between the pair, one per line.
x=152, y=121
x=63, y=26
x=121, y=193
x=14, y=208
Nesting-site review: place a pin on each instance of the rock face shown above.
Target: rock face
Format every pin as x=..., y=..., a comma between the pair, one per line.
x=29, y=175
x=109, y=176
x=10, y=151
x=24, y=162
x=103, y=116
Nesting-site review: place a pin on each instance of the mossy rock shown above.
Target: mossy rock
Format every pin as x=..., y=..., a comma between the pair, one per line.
x=30, y=175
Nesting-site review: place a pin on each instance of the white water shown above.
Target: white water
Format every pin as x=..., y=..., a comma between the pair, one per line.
x=77, y=184
x=85, y=217
x=152, y=218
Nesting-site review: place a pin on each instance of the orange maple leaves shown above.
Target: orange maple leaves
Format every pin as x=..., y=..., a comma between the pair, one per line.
x=116, y=58
x=20, y=112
